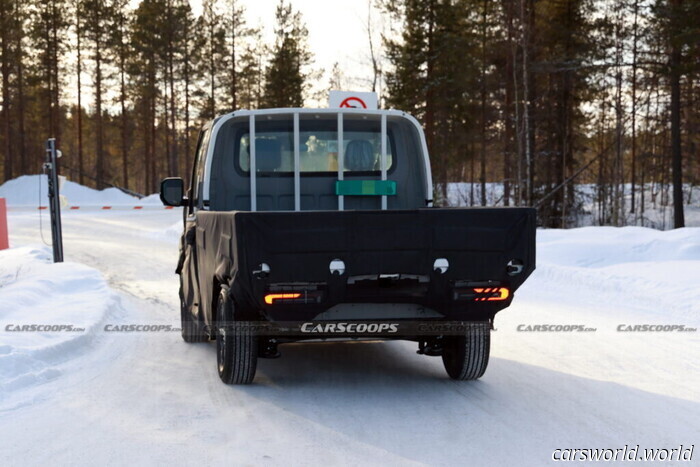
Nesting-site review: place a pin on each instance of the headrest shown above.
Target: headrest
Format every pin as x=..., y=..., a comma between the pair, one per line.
x=359, y=156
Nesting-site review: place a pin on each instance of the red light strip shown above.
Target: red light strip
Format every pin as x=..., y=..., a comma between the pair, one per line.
x=503, y=294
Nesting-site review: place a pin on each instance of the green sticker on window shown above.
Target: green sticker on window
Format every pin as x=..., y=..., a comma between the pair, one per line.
x=365, y=187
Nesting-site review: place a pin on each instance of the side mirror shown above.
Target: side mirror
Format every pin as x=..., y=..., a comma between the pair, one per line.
x=172, y=192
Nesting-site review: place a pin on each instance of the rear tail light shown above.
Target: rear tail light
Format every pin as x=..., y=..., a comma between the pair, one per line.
x=492, y=294
x=288, y=297
x=482, y=294
x=272, y=297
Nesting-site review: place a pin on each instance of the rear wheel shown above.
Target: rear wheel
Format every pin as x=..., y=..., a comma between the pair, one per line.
x=236, y=347
x=466, y=357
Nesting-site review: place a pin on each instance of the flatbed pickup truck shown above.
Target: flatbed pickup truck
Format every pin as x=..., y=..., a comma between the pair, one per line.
x=304, y=224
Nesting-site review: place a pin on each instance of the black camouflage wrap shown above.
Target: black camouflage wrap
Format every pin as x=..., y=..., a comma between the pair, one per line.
x=225, y=247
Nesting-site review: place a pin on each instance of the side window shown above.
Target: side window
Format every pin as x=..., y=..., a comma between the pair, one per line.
x=199, y=165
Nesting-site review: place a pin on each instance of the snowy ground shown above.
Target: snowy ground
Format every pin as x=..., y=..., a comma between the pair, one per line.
x=147, y=397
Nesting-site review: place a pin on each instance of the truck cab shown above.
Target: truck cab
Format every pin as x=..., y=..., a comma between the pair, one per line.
x=312, y=160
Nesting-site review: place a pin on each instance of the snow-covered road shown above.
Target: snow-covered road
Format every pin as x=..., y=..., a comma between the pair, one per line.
x=141, y=398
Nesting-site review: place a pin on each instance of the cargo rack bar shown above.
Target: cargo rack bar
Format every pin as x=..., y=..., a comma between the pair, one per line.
x=253, y=167
x=383, y=161
x=297, y=165
x=341, y=160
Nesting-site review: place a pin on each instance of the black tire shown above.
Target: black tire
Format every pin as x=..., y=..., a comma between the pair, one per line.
x=236, y=348
x=191, y=329
x=466, y=357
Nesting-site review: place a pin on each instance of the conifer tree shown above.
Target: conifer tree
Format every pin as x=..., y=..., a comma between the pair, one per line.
x=286, y=73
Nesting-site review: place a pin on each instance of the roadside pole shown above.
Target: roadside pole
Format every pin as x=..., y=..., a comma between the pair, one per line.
x=51, y=169
x=4, y=239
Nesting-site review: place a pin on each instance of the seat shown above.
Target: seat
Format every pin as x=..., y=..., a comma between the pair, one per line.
x=359, y=156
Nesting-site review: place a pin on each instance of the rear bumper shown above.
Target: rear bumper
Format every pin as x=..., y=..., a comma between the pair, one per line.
x=382, y=311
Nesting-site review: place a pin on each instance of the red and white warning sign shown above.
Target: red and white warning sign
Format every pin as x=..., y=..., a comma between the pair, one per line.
x=352, y=100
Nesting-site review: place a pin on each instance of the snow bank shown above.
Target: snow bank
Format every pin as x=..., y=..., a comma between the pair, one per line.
x=36, y=292
x=153, y=199
x=655, y=273
x=28, y=190
x=605, y=246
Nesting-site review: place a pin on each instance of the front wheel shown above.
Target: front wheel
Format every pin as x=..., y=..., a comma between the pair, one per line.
x=236, y=347
x=466, y=357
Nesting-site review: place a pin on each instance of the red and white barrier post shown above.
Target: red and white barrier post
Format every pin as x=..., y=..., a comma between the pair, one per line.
x=4, y=239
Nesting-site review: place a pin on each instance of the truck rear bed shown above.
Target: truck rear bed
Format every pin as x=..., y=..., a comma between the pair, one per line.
x=388, y=257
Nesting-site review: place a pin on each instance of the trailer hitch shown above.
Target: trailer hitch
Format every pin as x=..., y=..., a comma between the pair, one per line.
x=431, y=348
